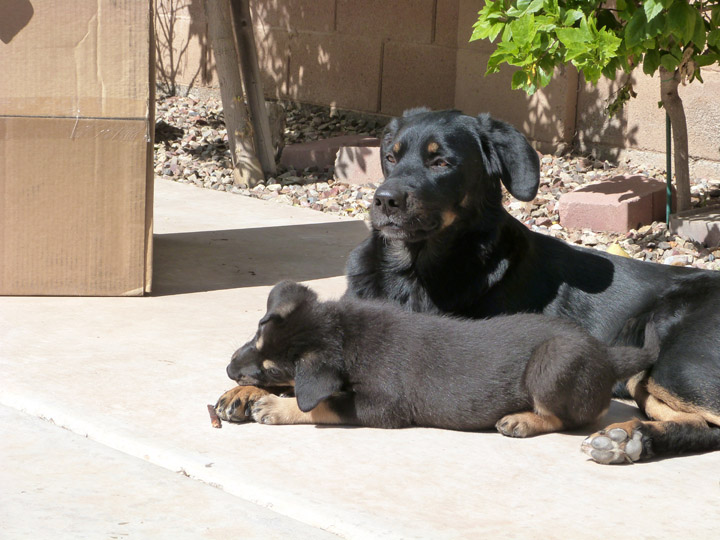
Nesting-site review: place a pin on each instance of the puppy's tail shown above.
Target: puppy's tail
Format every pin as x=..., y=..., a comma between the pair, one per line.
x=627, y=361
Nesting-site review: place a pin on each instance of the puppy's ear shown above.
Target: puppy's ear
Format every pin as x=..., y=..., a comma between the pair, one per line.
x=508, y=155
x=315, y=380
x=285, y=298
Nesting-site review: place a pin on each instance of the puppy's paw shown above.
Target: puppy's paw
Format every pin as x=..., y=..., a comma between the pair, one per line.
x=618, y=443
x=515, y=425
x=270, y=409
x=235, y=405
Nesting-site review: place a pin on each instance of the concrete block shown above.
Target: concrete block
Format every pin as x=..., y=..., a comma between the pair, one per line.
x=698, y=224
x=315, y=16
x=321, y=153
x=615, y=205
x=467, y=16
x=334, y=69
x=409, y=20
x=417, y=75
x=446, y=23
x=273, y=46
x=358, y=165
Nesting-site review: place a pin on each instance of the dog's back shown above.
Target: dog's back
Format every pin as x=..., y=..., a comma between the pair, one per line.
x=466, y=374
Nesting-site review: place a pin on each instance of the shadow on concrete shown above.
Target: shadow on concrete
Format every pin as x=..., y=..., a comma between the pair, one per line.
x=229, y=259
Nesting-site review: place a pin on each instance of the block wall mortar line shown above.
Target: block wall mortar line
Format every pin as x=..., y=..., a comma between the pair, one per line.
x=433, y=28
x=378, y=107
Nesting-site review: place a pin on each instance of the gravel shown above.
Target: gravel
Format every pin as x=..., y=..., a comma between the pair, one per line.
x=191, y=147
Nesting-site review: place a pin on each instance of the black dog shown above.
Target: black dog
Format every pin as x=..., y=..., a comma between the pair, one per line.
x=442, y=242
x=374, y=364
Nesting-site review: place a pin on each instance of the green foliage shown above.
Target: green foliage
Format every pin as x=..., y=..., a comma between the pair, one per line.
x=600, y=39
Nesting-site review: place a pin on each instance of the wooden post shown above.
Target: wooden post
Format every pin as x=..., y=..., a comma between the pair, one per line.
x=246, y=167
x=247, y=52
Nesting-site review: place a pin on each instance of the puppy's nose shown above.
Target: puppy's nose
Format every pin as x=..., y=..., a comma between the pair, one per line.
x=391, y=200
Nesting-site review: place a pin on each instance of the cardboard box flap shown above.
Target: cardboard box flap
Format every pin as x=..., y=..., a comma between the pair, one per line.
x=75, y=59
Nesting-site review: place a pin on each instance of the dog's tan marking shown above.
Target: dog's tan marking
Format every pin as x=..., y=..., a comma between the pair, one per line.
x=682, y=410
x=659, y=404
x=285, y=309
x=527, y=424
x=396, y=147
x=273, y=409
x=448, y=218
x=259, y=342
x=231, y=405
x=465, y=202
x=269, y=364
x=433, y=147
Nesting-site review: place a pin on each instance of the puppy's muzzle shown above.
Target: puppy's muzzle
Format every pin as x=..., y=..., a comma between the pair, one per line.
x=244, y=367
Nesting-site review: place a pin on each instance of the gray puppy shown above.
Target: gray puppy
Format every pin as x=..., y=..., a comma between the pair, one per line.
x=373, y=364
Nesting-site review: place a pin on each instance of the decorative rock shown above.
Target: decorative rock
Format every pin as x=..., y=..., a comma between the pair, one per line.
x=615, y=205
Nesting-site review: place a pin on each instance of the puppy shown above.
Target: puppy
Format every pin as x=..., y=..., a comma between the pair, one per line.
x=374, y=364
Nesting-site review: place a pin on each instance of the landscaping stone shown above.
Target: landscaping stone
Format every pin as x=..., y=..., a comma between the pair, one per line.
x=358, y=165
x=617, y=204
x=699, y=224
x=321, y=153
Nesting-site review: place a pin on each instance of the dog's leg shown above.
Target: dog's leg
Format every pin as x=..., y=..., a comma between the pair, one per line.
x=636, y=440
x=527, y=424
x=673, y=431
x=273, y=409
x=234, y=405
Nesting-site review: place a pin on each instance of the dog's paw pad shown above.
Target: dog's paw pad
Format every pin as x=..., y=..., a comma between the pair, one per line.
x=235, y=405
x=265, y=411
x=614, y=446
x=512, y=426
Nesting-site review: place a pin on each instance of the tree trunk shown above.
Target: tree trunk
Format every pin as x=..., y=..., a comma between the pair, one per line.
x=673, y=105
x=246, y=166
x=247, y=52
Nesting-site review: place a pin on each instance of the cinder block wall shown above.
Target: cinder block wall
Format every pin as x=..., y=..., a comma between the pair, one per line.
x=384, y=56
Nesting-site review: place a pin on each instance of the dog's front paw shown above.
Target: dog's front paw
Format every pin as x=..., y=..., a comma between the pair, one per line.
x=235, y=405
x=618, y=443
x=270, y=410
x=514, y=425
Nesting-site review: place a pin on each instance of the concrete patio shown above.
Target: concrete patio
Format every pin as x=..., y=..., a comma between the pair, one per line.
x=104, y=431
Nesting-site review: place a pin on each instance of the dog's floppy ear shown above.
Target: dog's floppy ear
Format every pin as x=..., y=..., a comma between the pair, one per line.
x=286, y=297
x=316, y=379
x=508, y=155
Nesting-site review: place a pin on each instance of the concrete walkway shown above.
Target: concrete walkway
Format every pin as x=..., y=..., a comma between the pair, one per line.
x=104, y=431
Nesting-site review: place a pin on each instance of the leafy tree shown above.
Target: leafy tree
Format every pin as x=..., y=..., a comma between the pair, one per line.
x=675, y=38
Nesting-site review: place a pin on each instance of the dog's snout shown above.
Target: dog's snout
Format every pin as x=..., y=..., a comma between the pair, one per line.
x=390, y=200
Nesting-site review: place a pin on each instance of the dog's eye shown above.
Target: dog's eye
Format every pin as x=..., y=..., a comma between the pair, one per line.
x=390, y=158
x=439, y=162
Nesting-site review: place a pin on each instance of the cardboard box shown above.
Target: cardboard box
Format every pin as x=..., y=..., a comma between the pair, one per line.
x=76, y=147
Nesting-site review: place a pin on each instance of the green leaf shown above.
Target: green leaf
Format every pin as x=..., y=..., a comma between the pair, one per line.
x=571, y=16
x=651, y=62
x=635, y=29
x=669, y=62
x=699, y=33
x=519, y=79
x=703, y=60
x=652, y=8
x=713, y=37
x=681, y=21
x=523, y=30
x=715, y=16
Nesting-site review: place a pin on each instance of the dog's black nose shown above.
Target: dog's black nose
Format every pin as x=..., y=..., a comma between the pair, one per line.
x=391, y=200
